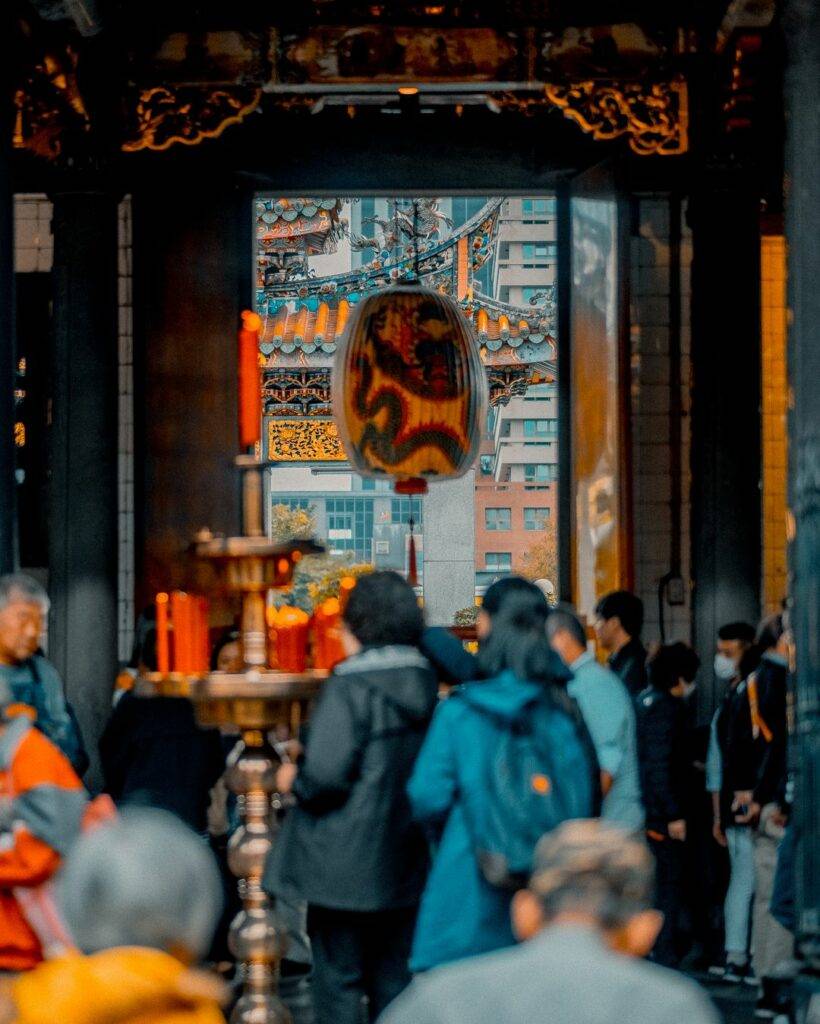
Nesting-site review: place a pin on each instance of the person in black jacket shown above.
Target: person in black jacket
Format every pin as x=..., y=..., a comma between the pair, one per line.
x=349, y=846
x=618, y=625
x=662, y=756
x=154, y=754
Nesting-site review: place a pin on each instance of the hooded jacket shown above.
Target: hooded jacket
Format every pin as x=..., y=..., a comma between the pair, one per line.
x=42, y=802
x=129, y=985
x=350, y=843
x=461, y=915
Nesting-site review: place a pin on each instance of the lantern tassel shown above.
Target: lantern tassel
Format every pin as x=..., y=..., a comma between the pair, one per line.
x=412, y=567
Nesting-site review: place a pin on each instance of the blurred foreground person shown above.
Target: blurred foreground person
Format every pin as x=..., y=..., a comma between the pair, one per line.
x=349, y=847
x=505, y=761
x=445, y=651
x=140, y=897
x=32, y=678
x=586, y=922
x=42, y=802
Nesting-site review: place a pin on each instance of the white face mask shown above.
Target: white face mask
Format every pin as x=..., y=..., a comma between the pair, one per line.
x=725, y=668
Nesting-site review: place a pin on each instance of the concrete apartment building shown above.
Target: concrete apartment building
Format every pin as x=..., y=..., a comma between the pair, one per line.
x=516, y=482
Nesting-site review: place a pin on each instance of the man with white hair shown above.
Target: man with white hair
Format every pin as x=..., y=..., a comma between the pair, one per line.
x=140, y=897
x=586, y=922
x=33, y=680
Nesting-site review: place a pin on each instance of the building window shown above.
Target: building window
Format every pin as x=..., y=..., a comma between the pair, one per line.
x=486, y=465
x=538, y=428
x=540, y=250
x=537, y=211
x=350, y=526
x=368, y=483
x=498, y=561
x=540, y=473
x=536, y=518
x=401, y=509
x=497, y=518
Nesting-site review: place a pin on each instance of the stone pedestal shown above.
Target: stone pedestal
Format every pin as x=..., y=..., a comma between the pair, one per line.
x=449, y=549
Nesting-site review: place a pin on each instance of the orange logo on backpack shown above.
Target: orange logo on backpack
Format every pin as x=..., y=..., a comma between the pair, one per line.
x=540, y=784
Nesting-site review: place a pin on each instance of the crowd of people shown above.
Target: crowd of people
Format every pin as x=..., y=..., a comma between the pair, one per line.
x=465, y=833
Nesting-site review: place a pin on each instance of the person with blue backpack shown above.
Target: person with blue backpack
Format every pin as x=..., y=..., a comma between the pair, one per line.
x=506, y=760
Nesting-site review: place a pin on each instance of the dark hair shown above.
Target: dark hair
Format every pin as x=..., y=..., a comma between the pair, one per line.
x=382, y=610
x=564, y=617
x=671, y=663
x=518, y=641
x=498, y=592
x=626, y=607
x=743, y=631
x=769, y=632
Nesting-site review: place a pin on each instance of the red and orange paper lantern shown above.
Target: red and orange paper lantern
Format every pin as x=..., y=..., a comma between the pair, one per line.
x=410, y=391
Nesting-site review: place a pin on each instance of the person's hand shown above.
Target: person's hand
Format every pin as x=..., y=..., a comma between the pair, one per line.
x=718, y=834
x=285, y=777
x=677, y=830
x=743, y=797
x=751, y=815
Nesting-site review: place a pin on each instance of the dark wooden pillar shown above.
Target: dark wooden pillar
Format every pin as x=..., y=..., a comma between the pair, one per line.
x=192, y=267
x=803, y=232
x=8, y=488
x=83, y=445
x=726, y=462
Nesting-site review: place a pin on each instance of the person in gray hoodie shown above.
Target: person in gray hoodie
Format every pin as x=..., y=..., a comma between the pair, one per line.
x=349, y=847
x=585, y=921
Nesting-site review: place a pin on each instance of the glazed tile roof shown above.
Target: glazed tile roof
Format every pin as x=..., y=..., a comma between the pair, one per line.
x=317, y=326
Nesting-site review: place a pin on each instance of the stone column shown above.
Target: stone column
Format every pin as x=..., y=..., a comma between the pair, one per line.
x=802, y=21
x=449, y=549
x=83, y=447
x=726, y=463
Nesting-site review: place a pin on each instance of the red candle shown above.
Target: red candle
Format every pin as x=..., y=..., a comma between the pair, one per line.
x=327, y=621
x=291, y=639
x=183, y=625
x=346, y=585
x=250, y=386
x=163, y=660
x=203, y=647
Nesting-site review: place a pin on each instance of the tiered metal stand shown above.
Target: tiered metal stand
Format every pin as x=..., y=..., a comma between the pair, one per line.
x=251, y=702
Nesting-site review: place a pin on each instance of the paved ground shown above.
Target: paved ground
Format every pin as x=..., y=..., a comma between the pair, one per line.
x=735, y=1002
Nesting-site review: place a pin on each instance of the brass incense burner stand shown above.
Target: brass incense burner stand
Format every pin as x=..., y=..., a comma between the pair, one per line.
x=251, y=702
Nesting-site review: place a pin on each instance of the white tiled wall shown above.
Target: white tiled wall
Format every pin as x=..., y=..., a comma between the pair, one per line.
x=652, y=481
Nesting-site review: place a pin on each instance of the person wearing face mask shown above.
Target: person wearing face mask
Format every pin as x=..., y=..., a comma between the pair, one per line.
x=727, y=773
x=662, y=756
x=766, y=690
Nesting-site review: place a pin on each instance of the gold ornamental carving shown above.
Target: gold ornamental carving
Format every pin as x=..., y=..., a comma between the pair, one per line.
x=187, y=115
x=654, y=115
x=297, y=440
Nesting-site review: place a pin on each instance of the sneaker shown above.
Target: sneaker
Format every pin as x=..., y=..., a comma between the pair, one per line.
x=717, y=970
x=766, y=1009
x=740, y=974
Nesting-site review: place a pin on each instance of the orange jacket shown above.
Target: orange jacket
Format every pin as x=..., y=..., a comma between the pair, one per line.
x=41, y=808
x=129, y=985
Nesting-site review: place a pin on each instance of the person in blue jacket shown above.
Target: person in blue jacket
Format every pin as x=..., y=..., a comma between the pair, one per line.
x=461, y=914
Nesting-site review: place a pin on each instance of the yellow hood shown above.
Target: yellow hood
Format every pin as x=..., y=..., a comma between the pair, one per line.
x=117, y=986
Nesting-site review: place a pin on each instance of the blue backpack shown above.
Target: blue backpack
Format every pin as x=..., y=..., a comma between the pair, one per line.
x=539, y=774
